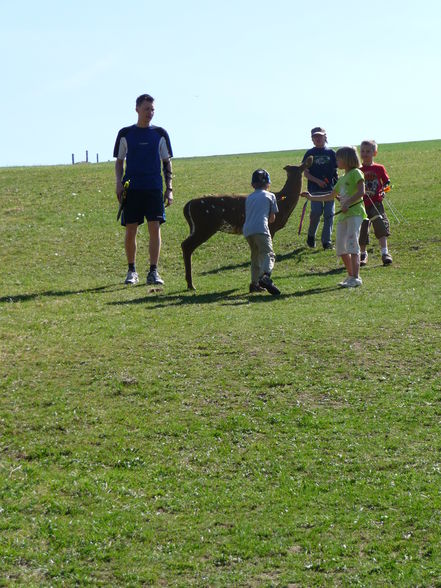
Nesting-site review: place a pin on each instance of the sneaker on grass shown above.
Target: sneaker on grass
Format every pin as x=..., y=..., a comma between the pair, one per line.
x=310, y=241
x=386, y=258
x=351, y=282
x=267, y=283
x=154, y=279
x=131, y=278
x=363, y=258
x=344, y=282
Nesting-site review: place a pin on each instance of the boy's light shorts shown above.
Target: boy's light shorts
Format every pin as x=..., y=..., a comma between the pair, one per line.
x=348, y=232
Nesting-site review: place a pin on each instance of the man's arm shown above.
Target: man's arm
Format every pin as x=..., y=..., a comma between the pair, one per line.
x=119, y=170
x=168, y=176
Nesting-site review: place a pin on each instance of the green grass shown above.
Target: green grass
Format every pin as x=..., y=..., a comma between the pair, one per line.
x=213, y=438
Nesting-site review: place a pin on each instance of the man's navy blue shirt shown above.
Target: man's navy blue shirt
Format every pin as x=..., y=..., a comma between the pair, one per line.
x=143, y=149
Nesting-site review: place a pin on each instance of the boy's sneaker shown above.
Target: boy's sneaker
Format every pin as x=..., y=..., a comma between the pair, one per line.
x=386, y=258
x=328, y=246
x=310, y=241
x=255, y=288
x=363, y=258
x=131, y=278
x=267, y=283
x=154, y=279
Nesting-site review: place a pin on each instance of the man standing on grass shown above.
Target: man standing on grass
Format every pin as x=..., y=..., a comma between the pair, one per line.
x=144, y=147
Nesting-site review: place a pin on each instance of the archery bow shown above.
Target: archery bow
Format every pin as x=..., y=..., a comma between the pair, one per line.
x=302, y=216
x=123, y=199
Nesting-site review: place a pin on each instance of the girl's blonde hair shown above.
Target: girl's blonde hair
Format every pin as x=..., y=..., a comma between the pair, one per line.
x=349, y=157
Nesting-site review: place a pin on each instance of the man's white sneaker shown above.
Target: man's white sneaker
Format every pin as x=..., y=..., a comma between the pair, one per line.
x=153, y=278
x=131, y=278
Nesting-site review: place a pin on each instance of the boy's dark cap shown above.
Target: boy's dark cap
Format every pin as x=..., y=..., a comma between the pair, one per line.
x=260, y=176
x=318, y=131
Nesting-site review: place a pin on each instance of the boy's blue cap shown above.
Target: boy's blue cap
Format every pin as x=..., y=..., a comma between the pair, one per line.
x=261, y=176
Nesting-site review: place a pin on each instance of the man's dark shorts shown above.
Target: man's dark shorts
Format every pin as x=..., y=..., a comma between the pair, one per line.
x=142, y=204
x=381, y=225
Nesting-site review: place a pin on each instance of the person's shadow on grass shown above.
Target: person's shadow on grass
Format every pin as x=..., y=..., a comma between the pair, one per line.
x=13, y=298
x=157, y=299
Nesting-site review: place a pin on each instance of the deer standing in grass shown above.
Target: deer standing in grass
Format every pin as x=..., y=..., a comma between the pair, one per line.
x=210, y=214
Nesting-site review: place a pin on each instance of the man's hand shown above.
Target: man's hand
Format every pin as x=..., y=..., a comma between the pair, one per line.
x=119, y=190
x=168, y=197
x=305, y=195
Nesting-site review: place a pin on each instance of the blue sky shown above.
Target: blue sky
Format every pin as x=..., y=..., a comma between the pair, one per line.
x=236, y=76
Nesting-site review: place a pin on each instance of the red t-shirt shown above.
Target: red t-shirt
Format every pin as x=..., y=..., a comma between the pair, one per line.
x=375, y=177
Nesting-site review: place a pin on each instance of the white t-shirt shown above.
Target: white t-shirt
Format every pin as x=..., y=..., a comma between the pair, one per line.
x=258, y=207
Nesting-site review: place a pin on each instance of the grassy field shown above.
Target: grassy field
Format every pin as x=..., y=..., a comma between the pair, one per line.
x=216, y=438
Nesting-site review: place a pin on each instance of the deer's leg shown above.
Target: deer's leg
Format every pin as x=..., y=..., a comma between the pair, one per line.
x=187, y=250
x=188, y=246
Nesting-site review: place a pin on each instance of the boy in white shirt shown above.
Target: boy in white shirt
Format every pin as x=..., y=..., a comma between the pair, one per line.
x=260, y=210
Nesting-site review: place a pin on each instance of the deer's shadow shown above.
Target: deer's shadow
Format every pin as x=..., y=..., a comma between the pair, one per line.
x=232, y=297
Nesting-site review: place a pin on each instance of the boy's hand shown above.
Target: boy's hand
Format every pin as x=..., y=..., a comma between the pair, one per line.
x=305, y=195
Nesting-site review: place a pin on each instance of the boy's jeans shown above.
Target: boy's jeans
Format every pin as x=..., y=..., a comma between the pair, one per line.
x=262, y=256
x=317, y=209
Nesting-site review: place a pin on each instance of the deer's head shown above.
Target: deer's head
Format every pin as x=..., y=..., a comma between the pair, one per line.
x=299, y=169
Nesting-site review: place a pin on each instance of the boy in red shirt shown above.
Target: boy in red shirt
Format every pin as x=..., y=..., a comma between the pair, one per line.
x=376, y=180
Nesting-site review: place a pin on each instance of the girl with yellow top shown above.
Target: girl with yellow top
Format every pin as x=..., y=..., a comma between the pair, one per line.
x=349, y=191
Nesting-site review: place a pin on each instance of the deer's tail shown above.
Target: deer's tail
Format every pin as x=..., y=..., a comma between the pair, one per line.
x=188, y=217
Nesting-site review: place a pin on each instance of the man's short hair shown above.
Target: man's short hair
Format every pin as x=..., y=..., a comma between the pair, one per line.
x=144, y=97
